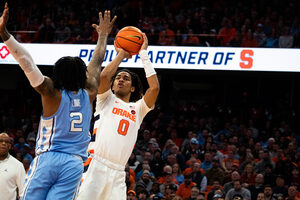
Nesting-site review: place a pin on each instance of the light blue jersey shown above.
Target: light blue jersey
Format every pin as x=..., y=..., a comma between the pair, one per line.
x=63, y=138
x=67, y=130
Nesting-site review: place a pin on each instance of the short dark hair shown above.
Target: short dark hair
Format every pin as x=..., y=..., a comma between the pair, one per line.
x=135, y=82
x=69, y=73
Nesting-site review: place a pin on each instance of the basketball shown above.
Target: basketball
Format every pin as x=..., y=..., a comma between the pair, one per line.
x=130, y=39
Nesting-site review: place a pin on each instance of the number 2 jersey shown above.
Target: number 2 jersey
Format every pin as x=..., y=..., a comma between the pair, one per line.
x=117, y=127
x=67, y=130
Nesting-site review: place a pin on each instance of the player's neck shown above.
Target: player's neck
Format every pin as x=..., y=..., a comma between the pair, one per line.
x=124, y=98
x=3, y=157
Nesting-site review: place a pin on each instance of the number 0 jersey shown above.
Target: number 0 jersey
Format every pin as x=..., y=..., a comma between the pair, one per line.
x=117, y=127
x=67, y=130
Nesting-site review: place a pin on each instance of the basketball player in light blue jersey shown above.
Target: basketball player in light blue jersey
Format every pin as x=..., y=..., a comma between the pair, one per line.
x=67, y=99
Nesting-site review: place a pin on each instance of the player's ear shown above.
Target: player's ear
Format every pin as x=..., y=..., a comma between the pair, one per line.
x=132, y=89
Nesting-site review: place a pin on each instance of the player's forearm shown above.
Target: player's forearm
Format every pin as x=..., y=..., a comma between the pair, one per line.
x=112, y=67
x=25, y=61
x=94, y=67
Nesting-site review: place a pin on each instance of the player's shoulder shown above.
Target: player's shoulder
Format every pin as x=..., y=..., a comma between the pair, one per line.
x=15, y=161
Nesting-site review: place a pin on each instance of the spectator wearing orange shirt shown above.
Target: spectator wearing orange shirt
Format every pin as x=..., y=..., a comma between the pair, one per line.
x=191, y=39
x=279, y=156
x=166, y=171
x=248, y=176
x=249, y=40
x=228, y=162
x=227, y=32
x=184, y=190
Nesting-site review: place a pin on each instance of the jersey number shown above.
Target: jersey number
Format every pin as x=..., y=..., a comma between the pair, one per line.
x=76, y=122
x=123, y=127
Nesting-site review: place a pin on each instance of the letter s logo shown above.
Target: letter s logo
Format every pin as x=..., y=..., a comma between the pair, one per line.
x=246, y=58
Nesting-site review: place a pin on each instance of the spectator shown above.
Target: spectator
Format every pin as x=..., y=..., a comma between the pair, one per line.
x=207, y=163
x=259, y=35
x=268, y=192
x=184, y=190
x=216, y=173
x=168, y=180
x=248, y=176
x=227, y=32
x=146, y=179
x=131, y=195
x=249, y=40
x=280, y=189
x=258, y=187
x=292, y=193
x=157, y=164
x=46, y=32
x=194, y=193
x=170, y=191
x=177, y=173
x=286, y=40
x=238, y=190
x=228, y=162
x=215, y=189
x=13, y=175
x=143, y=195
x=260, y=196
x=235, y=176
x=191, y=39
x=266, y=160
x=198, y=177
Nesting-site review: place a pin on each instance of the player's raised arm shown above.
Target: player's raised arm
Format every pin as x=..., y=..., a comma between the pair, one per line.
x=21, y=55
x=103, y=29
x=109, y=71
x=153, y=90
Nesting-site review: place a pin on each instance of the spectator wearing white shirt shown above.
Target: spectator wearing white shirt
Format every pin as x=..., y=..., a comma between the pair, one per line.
x=12, y=172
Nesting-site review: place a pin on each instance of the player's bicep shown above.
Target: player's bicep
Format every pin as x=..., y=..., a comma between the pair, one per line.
x=143, y=108
x=105, y=84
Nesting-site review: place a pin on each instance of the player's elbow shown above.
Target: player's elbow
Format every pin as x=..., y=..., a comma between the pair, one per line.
x=105, y=76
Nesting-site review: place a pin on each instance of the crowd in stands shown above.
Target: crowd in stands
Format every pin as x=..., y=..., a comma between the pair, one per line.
x=254, y=23
x=195, y=152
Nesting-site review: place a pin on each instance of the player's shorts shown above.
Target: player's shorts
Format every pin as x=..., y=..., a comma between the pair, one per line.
x=53, y=176
x=104, y=180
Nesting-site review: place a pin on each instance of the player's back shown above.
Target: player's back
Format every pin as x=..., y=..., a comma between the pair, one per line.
x=68, y=129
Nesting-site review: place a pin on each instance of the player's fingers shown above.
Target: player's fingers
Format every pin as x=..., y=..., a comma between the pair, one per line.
x=94, y=26
x=114, y=19
x=100, y=17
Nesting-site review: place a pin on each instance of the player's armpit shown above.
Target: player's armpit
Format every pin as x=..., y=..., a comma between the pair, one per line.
x=46, y=88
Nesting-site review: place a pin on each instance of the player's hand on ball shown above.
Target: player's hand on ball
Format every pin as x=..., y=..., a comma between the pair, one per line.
x=121, y=51
x=145, y=43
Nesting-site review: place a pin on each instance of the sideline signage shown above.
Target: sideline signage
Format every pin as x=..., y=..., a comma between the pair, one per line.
x=173, y=57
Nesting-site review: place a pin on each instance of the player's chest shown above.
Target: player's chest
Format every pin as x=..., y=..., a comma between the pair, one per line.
x=118, y=110
x=6, y=171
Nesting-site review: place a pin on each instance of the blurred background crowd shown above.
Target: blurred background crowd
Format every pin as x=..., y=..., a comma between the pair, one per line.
x=197, y=144
x=254, y=23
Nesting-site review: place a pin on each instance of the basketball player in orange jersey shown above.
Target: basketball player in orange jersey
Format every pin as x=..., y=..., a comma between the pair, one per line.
x=122, y=107
x=67, y=100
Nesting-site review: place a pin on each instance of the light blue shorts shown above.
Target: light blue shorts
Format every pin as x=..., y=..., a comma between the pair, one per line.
x=53, y=176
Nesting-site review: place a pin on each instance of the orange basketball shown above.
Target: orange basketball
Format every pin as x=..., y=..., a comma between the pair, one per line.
x=130, y=39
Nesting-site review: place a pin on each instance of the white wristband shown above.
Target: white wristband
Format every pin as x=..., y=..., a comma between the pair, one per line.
x=149, y=69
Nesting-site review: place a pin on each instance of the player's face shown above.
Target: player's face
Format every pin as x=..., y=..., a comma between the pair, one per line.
x=4, y=144
x=122, y=84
